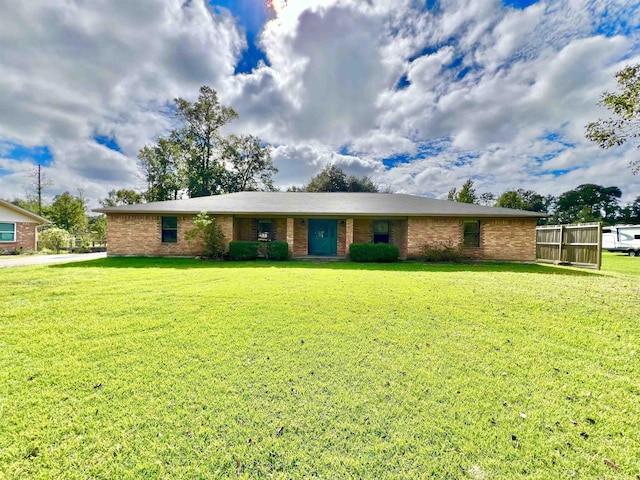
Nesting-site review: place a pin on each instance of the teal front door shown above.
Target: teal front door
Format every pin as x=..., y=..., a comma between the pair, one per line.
x=323, y=237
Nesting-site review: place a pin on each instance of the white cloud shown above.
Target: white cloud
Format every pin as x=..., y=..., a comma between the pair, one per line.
x=486, y=86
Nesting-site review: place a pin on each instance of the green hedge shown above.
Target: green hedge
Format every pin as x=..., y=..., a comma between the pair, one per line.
x=277, y=250
x=241, y=251
x=373, y=252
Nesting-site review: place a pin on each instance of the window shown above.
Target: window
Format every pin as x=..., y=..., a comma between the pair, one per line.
x=169, y=229
x=636, y=237
x=471, y=233
x=380, y=231
x=7, y=232
x=264, y=231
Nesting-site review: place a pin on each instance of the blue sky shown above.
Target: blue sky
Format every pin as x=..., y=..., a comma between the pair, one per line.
x=418, y=95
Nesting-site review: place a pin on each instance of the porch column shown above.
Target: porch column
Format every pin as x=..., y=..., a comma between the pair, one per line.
x=290, y=229
x=348, y=240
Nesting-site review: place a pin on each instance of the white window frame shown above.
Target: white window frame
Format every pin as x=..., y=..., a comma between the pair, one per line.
x=15, y=233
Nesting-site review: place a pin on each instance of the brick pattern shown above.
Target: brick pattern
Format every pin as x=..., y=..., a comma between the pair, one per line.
x=508, y=239
x=280, y=229
x=436, y=231
x=362, y=230
x=245, y=229
x=137, y=234
x=301, y=237
x=398, y=234
x=500, y=238
x=342, y=238
x=142, y=235
x=25, y=237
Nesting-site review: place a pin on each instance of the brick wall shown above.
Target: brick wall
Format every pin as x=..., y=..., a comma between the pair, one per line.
x=25, y=237
x=301, y=237
x=139, y=234
x=508, y=239
x=500, y=238
x=362, y=230
x=398, y=236
x=245, y=229
x=342, y=238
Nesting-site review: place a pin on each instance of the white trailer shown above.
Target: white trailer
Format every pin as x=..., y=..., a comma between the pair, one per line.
x=622, y=238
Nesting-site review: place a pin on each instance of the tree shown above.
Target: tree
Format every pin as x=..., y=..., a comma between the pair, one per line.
x=330, y=179
x=121, y=197
x=249, y=164
x=630, y=214
x=161, y=166
x=511, y=199
x=626, y=107
x=467, y=193
x=54, y=238
x=206, y=230
x=361, y=184
x=333, y=179
x=68, y=213
x=199, y=141
x=39, y=183
x=588, y=203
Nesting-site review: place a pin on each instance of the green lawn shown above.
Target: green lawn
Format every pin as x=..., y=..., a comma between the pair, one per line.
x=149, y=368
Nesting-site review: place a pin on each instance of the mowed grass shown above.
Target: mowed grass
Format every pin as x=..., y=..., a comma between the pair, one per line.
x=149, y=368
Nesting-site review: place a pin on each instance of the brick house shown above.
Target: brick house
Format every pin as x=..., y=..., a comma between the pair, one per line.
x=18, y=228
x=325, y=224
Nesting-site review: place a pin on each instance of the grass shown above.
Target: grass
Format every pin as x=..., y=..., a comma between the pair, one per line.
x=151, y=368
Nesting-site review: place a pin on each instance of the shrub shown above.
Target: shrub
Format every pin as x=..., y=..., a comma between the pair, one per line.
x=208, y=230
x=373, y=252
x=53, y=239
x=239, y=250
x=277, y=251
x=443, y=253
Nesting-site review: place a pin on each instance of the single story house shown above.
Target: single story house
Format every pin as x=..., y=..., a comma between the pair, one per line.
x=325, y=224
x=18, y=228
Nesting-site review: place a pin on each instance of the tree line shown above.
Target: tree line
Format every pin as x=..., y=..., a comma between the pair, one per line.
x=586, y=203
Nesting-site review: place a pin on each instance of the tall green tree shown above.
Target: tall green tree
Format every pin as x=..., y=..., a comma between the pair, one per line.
x=588, y=203
x=161, y=166
x=625, y=105
x=199, y=140
x=248, y=163
x=511, y=199
x=524, y=200
x=334, y=179
x=121, y=197
x=68, y=212
x=467, y=193
x=630, y=214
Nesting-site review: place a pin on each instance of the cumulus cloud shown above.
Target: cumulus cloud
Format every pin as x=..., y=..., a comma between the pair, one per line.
x=462, y=89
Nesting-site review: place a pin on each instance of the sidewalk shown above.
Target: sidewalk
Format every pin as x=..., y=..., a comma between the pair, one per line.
x=21, y=261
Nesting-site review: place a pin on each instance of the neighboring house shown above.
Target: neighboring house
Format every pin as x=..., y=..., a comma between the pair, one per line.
x=325, y=224
x=18, y=228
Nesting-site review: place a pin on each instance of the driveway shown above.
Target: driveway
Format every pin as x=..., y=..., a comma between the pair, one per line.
x=20, y=261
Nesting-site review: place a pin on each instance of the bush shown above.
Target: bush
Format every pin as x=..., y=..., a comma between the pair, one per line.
x=443, y=253
x=239, y=250
x=373, y=252
x=208, y=230
x=277, y=251
x=54, y=239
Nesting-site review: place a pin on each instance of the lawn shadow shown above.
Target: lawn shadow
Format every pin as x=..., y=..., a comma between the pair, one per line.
x=407, y=266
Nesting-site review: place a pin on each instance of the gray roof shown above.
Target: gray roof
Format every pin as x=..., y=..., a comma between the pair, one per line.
x=320, y=204
x=24, y=212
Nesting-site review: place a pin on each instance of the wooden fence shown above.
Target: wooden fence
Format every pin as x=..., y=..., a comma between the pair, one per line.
x=579, y=245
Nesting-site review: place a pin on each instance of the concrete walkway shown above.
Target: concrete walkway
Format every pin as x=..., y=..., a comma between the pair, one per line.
x=21, y=261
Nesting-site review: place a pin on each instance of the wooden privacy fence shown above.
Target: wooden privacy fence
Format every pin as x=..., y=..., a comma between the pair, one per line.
x=579, y=245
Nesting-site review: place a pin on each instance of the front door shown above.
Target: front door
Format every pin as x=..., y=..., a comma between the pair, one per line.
x=323, y=237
